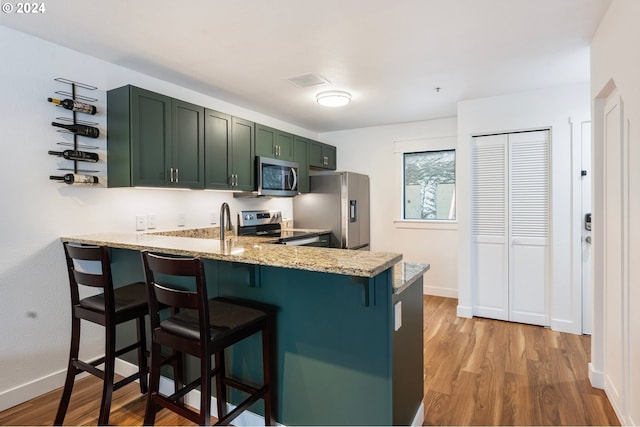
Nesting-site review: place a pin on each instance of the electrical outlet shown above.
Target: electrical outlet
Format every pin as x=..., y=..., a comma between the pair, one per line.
x=397, y=314
x=182, y=219
x=152, y=220
x=141, y=222
x=212, y=218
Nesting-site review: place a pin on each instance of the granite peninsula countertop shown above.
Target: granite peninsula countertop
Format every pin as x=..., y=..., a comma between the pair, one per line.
x=205, y=243
x=406, y=273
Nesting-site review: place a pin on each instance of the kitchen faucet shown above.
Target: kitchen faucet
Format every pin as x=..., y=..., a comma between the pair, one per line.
x=225, y=209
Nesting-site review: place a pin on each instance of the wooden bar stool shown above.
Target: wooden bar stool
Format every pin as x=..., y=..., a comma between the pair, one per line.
x=109, y=308
x=203, y=328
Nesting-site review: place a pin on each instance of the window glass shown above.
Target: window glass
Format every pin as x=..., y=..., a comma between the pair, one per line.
x=430, y=185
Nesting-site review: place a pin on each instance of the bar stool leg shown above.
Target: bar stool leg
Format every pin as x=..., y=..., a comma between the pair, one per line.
x=154, y=385
x=143, y=367
x=268, y=366
x=71, y=372
x=205, y=391
x=109, y=371
x=221, y=389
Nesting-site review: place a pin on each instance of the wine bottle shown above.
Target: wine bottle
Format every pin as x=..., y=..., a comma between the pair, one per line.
x=75, y=178
x=85, y=156
x=73, y=105
x=83, y=130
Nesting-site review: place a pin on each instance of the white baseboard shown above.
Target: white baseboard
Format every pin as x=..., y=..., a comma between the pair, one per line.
x=596, y=377
x=439, y=292
x=567, y=326
x=418, y=420
x=463, y=311
x=24, y=392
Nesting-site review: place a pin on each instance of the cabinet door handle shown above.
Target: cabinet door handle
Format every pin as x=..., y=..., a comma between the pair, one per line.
x=177, y=175
x=171, y=175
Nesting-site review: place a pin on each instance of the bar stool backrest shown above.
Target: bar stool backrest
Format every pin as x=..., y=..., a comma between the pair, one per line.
x=102, y=279
x=162, y=294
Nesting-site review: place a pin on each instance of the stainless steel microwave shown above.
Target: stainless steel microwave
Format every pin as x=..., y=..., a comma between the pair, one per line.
x=276, y=177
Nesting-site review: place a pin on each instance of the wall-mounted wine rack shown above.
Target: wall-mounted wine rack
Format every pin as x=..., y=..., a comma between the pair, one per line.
x=74, y=120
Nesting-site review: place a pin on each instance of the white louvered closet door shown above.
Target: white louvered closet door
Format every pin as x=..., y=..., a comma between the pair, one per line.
x=510, y=226
x=490, y=227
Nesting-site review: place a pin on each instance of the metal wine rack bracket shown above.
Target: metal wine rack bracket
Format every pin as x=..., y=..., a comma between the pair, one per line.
x=74, y=120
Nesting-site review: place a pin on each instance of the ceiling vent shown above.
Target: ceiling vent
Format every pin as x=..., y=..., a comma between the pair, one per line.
x=308, y=80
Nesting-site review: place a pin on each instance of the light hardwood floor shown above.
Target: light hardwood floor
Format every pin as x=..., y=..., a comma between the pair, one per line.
x=489, y=372
x=476, y=372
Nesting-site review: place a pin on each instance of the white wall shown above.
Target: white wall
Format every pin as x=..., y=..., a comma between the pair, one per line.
x=615, y=62
x=549, y=108
x=34, y=296
x=371, y=151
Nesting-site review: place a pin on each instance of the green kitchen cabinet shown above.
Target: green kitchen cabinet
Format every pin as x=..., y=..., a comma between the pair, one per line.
x=186, y=161
x=322, y=156
x=229, y=152
x=273, y=143
x=301, y=156
x=153, y=140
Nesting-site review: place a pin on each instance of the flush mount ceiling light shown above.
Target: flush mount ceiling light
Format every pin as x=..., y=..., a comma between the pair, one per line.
x=333, y=98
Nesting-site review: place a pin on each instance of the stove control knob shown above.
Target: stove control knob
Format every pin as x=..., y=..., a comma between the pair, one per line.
x=248, y=217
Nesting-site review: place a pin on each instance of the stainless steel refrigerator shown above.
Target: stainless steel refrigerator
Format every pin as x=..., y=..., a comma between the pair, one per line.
x=338, y=202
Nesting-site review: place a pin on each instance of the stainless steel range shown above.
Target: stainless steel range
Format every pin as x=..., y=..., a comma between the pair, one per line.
x=265, y=223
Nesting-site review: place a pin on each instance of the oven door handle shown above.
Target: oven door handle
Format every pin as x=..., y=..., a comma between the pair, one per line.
x=302, y=242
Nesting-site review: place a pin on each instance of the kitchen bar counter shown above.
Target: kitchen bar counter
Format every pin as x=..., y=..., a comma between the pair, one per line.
x=348, y=322
x=248, y=250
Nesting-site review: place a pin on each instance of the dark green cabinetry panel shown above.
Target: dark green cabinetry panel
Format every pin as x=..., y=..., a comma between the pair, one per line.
x=186, y=164
x=301, y=156
x=273, y=143
x=153, y=140
x=217, y=133
x=229, y=145
x=242, y=153
x=322, y=156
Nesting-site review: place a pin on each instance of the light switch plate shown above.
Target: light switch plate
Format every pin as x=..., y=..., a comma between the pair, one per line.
x=141, y=222
x=182, y=219
x=152, y=220
x=397, y=315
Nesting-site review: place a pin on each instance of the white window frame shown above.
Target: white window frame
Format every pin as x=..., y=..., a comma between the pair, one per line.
x=414, y=146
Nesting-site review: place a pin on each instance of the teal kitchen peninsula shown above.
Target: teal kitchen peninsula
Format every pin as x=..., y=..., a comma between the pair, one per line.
x=349, y=325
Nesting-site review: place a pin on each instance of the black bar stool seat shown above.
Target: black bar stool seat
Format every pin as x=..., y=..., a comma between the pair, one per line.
x=203, y=328
x=109, y=308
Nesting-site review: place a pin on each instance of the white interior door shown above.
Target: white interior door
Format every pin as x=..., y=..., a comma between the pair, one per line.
x=510, y=226
x=529, y=226
x=489, y=227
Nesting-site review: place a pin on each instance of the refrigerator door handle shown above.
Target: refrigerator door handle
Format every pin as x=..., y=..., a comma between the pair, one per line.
x=353, y=211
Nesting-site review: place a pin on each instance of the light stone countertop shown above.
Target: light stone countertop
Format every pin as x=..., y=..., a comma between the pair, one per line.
x=249, y=250
x=406, y=273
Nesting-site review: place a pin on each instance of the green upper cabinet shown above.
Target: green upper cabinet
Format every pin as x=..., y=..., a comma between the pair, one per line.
x=229, y=152
x=242, y=154
x=153, y=140
x=186, y=163
x=273, y=143
x=322, y=156
x=301, y=156
x=217, y=134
